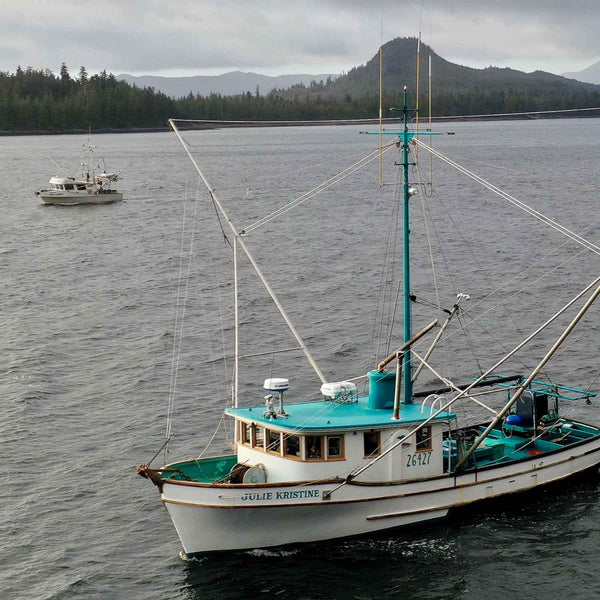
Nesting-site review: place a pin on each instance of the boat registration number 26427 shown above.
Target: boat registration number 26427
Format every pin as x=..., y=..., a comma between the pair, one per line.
x=418, y=460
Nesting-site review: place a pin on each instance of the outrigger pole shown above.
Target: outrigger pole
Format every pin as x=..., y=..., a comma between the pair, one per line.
x=253, y=262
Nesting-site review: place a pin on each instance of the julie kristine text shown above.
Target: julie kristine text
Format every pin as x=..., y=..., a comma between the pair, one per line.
x=288, y=495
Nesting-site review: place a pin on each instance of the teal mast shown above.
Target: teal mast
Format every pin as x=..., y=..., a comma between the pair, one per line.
x=407, y=366
x=405, y=137
x=407, y=361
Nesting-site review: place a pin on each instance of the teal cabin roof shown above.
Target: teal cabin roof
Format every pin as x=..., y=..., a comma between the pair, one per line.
x=325, y=415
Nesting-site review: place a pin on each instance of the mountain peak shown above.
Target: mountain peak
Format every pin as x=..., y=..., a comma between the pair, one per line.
x=589, y=75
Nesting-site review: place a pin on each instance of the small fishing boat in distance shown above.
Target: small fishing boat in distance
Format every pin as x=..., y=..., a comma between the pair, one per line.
x=350, y=461
x=91, y=187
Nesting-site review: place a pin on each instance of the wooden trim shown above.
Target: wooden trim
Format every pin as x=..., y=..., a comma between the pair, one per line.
x=407, y=513
x=449, y=476
x=390, y=497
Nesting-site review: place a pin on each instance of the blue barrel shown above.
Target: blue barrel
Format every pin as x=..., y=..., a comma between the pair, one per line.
x=514, y=420
x=382, y=388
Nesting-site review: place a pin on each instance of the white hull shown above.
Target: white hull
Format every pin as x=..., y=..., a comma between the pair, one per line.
x=225, y=517
x=74, y=199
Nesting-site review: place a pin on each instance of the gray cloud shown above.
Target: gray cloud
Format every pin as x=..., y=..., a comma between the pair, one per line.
x=213, y=36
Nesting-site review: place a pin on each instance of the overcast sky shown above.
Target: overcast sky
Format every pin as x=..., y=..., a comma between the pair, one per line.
x=274, y=37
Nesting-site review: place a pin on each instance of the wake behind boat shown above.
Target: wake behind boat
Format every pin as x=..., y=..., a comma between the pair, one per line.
x=91, y=187
x=355, y=461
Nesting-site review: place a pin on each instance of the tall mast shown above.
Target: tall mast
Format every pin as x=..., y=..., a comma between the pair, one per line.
x=406, y=194
x=236, y=340
x=405, y=137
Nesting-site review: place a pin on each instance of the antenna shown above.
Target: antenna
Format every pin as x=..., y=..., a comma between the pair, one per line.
x=418, y=80
x=380, y=116
x=429, y=128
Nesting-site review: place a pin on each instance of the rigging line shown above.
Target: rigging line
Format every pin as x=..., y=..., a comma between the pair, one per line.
x=317, y=190
x=269, y=352
x=517, y=328
x=517, y=114
x=475, y=355
x=515, y=293
x=393, y=318
x=184, y=303
x=507, y=283
x=514, y=200
x=450, y=384
x=206, y=320
x=176, y=325
x=378, y=321
x=531, y=211
x=259, y=123
x=250, y=257
x=207, y=446
x=475, y=321
x=429, y=245
x=390, y=262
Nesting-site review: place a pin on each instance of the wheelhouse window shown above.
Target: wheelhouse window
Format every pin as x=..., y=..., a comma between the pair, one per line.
x=310, y=447
x=291, y=446
x=259, y=438
x=372, y=443
x=335, y=446
x=314, y=447
x=324, y=447
x=423, y=439
x=273, y=441
x=246, y=433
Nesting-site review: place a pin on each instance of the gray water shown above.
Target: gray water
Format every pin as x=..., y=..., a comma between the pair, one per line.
x=88, y=318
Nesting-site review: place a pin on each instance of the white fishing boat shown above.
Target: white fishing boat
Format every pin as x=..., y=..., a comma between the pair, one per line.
x=347, y=462
x=93, y=186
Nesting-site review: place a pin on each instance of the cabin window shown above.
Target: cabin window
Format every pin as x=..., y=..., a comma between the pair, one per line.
x=372, y=443
x=314, y=447
x=273, y=441
x=68, y=186
x=246, y=433
x=81, y=187
x=291, y=445
x=335, y=446
x=424, y=439
x=259, y=438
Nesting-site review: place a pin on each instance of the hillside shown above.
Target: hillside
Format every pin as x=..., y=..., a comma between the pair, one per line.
x=509, y=90
x=36, y=101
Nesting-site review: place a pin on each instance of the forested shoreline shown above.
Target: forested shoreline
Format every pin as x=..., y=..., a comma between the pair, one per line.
x=40, y=102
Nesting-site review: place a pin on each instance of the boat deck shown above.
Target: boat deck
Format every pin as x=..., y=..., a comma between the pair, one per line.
x=201, y=470
x=516, y=443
